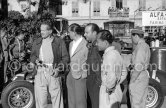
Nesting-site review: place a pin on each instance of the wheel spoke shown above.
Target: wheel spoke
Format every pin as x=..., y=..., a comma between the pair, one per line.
x=20, y=97
x=152, y=96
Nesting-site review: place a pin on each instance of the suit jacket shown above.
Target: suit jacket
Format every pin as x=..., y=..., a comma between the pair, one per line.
x=61, y=56
x=78, y=60
x=94, y=63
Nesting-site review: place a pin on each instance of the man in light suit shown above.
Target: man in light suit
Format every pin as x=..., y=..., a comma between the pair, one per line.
x=139, y=79
x=76, y=79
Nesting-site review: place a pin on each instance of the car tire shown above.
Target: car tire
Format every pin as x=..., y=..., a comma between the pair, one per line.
x=155, y=96
x=18, y=94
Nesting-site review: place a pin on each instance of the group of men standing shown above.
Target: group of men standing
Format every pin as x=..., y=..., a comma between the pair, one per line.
x=83, y=61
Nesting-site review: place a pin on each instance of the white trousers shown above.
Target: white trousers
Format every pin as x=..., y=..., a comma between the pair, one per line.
x=110, y=101
x=44, y=82
x=139, y=91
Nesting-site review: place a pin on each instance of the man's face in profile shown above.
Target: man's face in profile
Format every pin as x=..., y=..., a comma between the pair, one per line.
x=88, y=33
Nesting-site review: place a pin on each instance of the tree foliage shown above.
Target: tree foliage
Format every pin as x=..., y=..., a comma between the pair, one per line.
x=30, y=26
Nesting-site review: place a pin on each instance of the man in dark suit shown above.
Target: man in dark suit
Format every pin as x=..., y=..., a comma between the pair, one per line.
x=94, y=63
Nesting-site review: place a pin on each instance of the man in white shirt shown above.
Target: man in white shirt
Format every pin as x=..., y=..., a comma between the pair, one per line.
x=53, y=53
x=75, y=44
x=76, y=79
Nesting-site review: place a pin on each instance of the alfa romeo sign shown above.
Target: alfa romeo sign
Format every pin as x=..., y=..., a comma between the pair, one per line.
x=154, y=18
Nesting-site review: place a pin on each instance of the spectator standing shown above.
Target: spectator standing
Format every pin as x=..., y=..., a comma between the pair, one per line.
x=76, y=79
x=94, y=63
x=111, y=72
x=138, y=86
x=53, y=56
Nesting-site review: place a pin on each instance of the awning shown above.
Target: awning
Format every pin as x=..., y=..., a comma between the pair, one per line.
x=119, y=22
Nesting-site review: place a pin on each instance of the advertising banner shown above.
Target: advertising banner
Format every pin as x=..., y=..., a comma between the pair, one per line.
x=154, y=18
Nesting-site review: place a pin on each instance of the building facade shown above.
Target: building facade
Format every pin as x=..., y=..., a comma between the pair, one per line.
x=23, y=6
x=97, y=11
x=100, y=11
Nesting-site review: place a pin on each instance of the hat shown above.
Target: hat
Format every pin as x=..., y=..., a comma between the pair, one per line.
x=137, y=31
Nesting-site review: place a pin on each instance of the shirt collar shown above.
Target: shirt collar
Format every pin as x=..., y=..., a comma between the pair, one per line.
x=48, y=39
x=141, y=41
x=78, y=40
x=94, y=43
x=109, y=49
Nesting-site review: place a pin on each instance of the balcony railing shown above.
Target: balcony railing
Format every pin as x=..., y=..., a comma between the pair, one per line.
x=114, y=12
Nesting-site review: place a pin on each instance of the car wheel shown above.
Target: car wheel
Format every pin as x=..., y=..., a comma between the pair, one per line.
x=18, y=94
x=155, y=95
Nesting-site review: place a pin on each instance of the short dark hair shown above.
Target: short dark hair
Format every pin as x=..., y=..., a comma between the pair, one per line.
x=76, y=28
x=48, y=23
x=20, y=32
x=106, y=35
x=94, y=27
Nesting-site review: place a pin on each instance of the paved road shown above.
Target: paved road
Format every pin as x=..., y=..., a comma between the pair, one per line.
x=123, y=106
x=163, y=106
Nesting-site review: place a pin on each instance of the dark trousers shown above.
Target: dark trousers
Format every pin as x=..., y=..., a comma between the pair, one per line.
x=93, y=86
x=77, y=92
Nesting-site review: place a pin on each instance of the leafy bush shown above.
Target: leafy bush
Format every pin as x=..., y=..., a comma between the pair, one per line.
x=31, y=25
x=15, y=15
